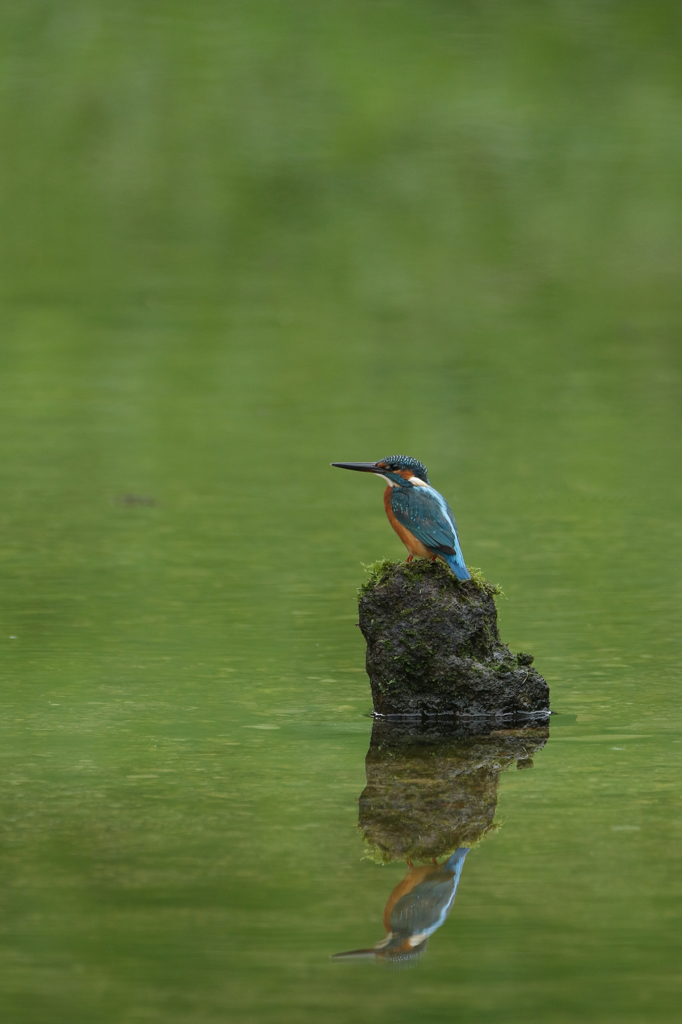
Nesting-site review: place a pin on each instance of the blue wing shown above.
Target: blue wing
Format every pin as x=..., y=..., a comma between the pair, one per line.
x=427, y=515
x=425, y=908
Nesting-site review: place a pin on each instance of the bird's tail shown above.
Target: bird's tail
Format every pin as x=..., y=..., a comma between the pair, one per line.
x=455, y=863
x=456, y=563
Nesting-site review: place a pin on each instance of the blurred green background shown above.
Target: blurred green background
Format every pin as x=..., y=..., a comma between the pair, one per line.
x=239, y=241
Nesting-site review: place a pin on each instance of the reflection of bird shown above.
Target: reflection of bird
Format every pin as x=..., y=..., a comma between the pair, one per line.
x=419, y=515
x=416, y=908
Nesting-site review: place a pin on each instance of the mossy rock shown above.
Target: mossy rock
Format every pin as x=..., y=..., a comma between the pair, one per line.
x=432, y=789
x=434, y=648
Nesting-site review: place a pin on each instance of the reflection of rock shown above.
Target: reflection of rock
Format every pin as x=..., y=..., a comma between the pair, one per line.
x=433, y=646
x=433, y=788
x=431, y=792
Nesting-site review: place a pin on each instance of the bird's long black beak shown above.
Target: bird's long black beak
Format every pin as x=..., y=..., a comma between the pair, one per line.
x=361, y=467
x=355, y=954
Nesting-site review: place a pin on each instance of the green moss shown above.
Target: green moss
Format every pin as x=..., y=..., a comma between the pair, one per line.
x=421, y=567
x=420, y=853
x=479, y=582
x=374, y=573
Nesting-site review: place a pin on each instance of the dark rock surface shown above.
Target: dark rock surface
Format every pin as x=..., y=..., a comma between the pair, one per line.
x=432, y=788
x=433, y=646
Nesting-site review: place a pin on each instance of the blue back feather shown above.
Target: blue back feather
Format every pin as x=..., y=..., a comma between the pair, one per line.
x=427, y=515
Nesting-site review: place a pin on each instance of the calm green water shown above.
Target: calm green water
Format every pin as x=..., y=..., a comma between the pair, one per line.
x=242, y=240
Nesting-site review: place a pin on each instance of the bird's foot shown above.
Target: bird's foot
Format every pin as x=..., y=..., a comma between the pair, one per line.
x=410, y=557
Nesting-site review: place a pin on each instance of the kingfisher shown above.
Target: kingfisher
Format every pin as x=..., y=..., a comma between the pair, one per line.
x=419, y=515
x=416, y=908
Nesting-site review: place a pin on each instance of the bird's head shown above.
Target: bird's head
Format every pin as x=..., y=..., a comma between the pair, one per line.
x=399, y=470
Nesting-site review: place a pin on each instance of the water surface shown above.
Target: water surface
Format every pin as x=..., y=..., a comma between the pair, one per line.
x=240, y=242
